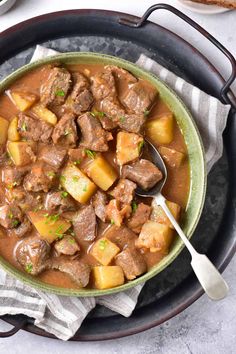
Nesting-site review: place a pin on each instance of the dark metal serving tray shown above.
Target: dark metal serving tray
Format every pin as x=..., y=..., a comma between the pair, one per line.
x=127, y=36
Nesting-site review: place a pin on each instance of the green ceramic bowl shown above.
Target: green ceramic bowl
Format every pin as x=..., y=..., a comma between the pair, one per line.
x=196, y=159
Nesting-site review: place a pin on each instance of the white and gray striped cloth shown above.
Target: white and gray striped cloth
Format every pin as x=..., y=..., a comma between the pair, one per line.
x=62, y=316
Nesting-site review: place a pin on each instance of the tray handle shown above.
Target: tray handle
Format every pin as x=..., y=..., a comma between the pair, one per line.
x=226, y=96
x=14, y=330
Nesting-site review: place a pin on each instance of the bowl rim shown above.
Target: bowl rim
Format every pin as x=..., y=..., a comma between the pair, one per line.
x=69, y=56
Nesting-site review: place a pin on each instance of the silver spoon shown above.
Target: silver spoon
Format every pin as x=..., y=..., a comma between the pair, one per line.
x=209, y=277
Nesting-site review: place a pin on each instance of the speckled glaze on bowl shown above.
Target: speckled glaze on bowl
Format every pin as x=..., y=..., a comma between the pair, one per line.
x=196, y=160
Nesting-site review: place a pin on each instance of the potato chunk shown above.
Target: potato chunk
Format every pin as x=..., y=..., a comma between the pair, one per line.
x=156, y=237
x=3, y=130
x=161, y=130
x=128, y=147
x=13, y=134
x=172, y=157
x=23, y=100
x=106, y=277
x=50, y=227
x=45, y=114
x=101, y=172
x=159, y=215
x=21, y=152
x=77, y=184
x=104, y=251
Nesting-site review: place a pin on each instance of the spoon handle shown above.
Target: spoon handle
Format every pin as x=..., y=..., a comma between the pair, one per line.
x=209, y=277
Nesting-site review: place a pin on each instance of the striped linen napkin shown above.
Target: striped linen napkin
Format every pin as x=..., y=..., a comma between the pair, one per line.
x=62, y=316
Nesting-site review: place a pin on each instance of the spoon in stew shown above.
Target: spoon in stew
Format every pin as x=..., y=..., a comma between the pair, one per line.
x=209, y=277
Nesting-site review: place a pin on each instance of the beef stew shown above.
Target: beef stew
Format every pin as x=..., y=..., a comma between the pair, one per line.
x=72, y=155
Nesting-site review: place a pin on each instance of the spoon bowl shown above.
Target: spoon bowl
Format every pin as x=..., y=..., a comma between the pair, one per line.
x=208, y=276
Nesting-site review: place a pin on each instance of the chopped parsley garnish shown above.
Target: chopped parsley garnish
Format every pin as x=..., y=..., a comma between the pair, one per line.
x=140, y=145
x=90, y=153
x=146, y=112
x=134, y=206
x=85, y=188
x=97, y=114
x=15, y=223
x=75, y=179
x=51, y=174
x=29, y=267
x=62, y=178
x=71, y=241
x=122, y=119
x=59, y=232
x=67, y=132
x=64, y=194
x=77, y=162
x=102, y=244
x=24, y=127
x=51, y=218
x=112, y=222
x=10, y=215
x=60, y=93
x=11, y=185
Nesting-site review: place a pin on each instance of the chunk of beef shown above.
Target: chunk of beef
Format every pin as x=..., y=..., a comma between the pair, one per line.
x=59, y=201
x=77, y=270
x=53, y=155
x=81, y=98
x=34, y=129
x=112, y=108
x=13, y=176
x=99, y=202
x=139, y=217
x=77, y=155
x=65, y=132
x=67, y=246
x=115, y=213
x=24, y=228
x=103, y=85
x=108, y=123
x=121, y=74
x=55, y=89
x=40, y=178
x=32, y=253
x=121, y=236
x=132, y=122
x=143, y=172
x=124, y=191
x=94, y=137
x=139, y=98
x=26, y=201
x=10, y=216
x=85, y=225
x=132, y=263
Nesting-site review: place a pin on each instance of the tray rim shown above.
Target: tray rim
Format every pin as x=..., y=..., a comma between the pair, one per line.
x=229, y=254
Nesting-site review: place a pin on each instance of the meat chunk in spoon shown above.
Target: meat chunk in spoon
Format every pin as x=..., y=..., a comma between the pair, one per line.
x=32, y=253
x=56, y=87
x=84, y=223
x=143, y=172
x=77, y=270
x=94, y=137
x=65, y=132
